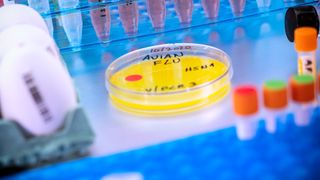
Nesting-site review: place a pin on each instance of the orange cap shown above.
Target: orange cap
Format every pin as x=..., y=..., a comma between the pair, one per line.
x=305, y=39
x=245, y=100
x=275, y=94
x=302, y=88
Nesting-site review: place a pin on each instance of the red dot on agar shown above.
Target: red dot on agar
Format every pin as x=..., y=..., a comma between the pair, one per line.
x=134, y=77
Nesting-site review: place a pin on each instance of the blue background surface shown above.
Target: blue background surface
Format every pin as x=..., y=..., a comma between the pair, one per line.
x=291, y=153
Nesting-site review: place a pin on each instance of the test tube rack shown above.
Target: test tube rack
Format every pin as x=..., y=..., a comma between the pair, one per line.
x=20, y=149
x=82, y=32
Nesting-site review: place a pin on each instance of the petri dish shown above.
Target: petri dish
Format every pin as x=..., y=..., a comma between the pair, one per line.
x=169, y=79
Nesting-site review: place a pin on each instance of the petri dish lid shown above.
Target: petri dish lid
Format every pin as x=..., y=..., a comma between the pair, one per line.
x=169, y=79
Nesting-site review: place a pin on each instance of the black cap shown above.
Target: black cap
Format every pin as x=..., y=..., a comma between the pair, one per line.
x=302, y=16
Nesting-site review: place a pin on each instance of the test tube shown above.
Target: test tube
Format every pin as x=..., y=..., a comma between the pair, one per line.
x=66, y=4
x=303, y=96
x=101, y=21
x=184, y=10
x=42, y=6
x=72, y=25
x=275, y=98
x=49, y=23
x=245, y=106
x=157, y=12
x=263, y=3
x=211, y=8
x=129, y=16
x=237, y=6
x=305, y=39
x=300, y=16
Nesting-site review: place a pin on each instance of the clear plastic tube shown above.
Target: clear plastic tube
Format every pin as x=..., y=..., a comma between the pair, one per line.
x=273, y=117
x=211, y=7
x=157, y=12
x=72, y=25
x=246, y=126
x=64, y=4
x=303, y=113
x=184, y=10
x=129, y=16
x=101, y=22
x=42, y=6
x=263, y=3
x=237, y=6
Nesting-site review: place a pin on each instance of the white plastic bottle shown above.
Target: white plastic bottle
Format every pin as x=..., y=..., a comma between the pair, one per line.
x=20, y=14
x=24, y=35
x=36, y=91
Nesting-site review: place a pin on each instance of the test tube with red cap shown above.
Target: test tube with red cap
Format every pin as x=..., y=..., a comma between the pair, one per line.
x=303, y=96
x=246, y=107
x=275, y=100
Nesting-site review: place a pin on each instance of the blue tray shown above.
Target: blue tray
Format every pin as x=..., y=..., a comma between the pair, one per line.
x=291, y=153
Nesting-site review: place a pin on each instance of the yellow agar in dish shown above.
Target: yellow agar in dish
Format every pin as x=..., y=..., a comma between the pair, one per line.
x=168, y=85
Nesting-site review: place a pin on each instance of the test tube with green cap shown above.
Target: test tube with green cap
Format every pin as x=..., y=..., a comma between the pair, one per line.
x=275, y=100
x=303, y=97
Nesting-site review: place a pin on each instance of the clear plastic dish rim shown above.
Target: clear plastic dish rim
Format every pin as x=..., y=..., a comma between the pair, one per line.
x=126, y=60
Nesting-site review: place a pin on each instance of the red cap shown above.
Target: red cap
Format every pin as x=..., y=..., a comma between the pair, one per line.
x=245, y=100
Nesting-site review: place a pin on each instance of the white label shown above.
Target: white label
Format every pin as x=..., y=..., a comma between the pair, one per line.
x=307, y=65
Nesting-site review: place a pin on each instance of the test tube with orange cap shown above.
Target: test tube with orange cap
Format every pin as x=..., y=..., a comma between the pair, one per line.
x=303, y=97
x=305, y=39
x=246, y=107
x=275, y=100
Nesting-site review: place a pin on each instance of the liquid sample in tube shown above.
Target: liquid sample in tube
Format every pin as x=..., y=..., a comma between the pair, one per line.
x=157, y=12
x=101, y=20
x=237, y=6
x=184, y=10
x=211, y=7
x=129, y=16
